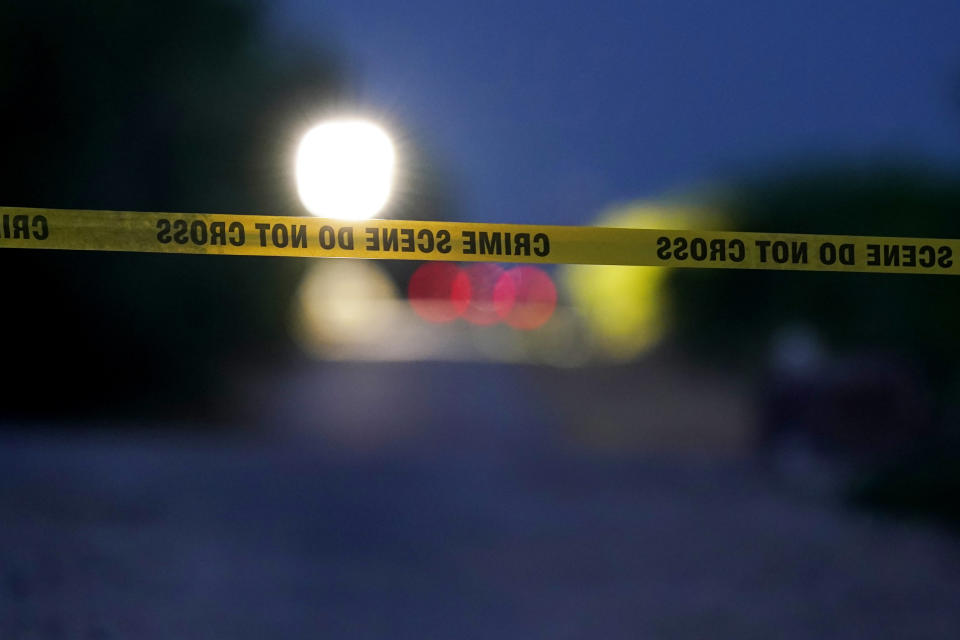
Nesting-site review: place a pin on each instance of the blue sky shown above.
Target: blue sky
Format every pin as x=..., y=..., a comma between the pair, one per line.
x=552, y=112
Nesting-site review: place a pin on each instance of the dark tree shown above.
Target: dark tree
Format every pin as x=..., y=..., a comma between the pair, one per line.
x=185, y=105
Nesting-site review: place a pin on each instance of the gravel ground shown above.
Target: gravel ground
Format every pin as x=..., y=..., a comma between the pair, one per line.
x=103, y=536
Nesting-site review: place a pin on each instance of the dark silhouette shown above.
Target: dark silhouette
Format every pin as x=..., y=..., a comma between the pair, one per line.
x=179, y=106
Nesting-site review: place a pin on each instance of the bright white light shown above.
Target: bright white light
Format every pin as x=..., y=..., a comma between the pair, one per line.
x=345, y=169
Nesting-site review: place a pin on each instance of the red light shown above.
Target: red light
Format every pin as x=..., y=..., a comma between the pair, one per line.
x=524, y=297
x=490, y=301
x=533, y=294
x=439, y=291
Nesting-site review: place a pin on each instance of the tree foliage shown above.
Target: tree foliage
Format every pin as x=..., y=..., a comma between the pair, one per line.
x=734, y=314
x=185, y=105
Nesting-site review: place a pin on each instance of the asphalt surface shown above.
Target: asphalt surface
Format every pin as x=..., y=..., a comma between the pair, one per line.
x=144, y=535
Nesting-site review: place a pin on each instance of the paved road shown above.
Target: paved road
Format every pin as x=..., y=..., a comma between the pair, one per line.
x=103, y=536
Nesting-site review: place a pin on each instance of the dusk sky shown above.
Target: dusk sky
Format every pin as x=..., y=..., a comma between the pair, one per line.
x=552, y=112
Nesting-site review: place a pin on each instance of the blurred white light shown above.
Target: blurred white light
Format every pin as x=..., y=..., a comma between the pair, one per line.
x=345, y=169
x=344, y=302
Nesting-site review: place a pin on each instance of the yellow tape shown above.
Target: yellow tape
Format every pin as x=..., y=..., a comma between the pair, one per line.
x=258, y=235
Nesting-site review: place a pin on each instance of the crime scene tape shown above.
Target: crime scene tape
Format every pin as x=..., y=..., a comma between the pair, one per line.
x=262, y=235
